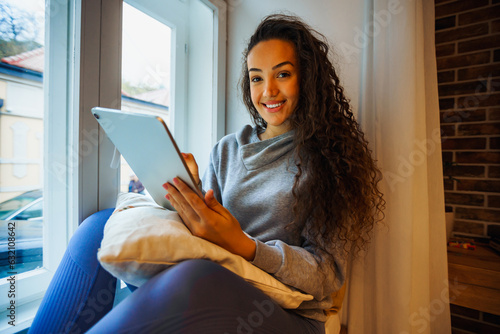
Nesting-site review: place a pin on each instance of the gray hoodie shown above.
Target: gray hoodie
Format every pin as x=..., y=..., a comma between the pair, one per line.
x=253, y=179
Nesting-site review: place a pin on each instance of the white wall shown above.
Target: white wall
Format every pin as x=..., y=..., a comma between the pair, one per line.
x=339, y=20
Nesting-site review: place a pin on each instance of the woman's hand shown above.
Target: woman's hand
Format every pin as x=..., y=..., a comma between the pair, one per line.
x=209, y=220
x=193, y=166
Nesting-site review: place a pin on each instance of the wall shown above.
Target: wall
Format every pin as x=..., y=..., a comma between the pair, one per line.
x=468, y=59
x=339, y=21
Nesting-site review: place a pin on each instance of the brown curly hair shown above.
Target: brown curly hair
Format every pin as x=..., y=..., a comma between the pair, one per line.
x=336, y=195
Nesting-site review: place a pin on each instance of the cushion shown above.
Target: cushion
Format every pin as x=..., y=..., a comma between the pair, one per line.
x=142, y=239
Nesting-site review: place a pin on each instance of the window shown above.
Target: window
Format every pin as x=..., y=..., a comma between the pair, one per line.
x=145, y=72
x=82, y=69
x=36, y=155
x=21, y=130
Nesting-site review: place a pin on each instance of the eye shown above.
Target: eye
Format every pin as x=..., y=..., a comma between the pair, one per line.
x=283, y=74
x=255, y=79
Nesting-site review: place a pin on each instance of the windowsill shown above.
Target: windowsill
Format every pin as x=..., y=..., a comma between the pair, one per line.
x=23, y=318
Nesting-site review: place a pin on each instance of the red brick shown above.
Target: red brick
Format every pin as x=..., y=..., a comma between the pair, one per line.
x=463, y=116
x=478, y=157
x=464, y=199
x=468, y=227
x=495, y=25
x=478, y=100
x=445, y=104
x=479, y=72
x=458, y=331
x=458, y=6
x=490, y=215
x=446, y=76
x=492, y=230
x=494, y=172
x=493, y=201
x=479, y=239
x=447, y=131
x=462, y=33
x=448, y=184
x=447, y=156
x=494, y=143
x=462, y=88
x=487, y=128
x=488, y=317
x=445, y=23
x=464, y=311
x=463, y=170
x=480, y=15
x=489, y=42
x=464, y=144
x=463, y=60
x=472, y=326
x=479, y=185
x=494, y=85
x=494, y=114
x=445, y=50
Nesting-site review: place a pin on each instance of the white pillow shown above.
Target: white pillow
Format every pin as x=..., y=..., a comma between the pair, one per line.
x=142, y=239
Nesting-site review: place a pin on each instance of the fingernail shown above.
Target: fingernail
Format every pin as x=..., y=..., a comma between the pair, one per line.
x=167, y=197
x=165, y=186
x=176, y=180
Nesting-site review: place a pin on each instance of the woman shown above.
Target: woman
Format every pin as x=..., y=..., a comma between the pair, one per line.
x=295, y=195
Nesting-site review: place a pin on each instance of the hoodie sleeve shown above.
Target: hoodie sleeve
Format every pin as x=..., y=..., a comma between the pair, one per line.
x=294, y=265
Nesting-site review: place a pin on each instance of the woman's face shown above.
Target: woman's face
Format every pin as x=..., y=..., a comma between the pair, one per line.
x=274, y=83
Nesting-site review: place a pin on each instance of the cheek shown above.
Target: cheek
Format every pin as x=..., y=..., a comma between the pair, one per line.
x=293, y=92
x=254, y=94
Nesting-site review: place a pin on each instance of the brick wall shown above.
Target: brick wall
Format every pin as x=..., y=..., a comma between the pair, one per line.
x=468, y=61
x=465, y=320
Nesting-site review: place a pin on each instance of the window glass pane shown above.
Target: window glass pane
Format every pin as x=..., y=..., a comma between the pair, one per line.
x=145, y=74
x=21, y=133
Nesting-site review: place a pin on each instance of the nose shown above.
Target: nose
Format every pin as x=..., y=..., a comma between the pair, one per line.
x=270, y=88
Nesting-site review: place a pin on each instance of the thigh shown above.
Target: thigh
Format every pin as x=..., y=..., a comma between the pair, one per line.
x=199, y=296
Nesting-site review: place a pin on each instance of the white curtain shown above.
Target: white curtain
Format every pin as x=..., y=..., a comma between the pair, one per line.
x=401, y=284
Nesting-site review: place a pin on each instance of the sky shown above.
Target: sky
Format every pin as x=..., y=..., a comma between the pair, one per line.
x=146, y=43
x=33, y=6
x=146, y=49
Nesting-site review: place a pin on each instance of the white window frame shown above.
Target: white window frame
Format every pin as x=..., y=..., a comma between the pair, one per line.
x=78, y=179
x=31, y=285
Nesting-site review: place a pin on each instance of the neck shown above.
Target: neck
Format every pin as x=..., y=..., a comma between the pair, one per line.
x=272, y=132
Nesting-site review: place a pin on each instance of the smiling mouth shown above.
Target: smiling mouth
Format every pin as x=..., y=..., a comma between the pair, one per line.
x=274, y=105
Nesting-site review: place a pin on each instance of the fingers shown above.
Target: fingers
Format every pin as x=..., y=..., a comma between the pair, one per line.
x=183, y=208
x=190, y=196
x=192, y=165
x=213, y=204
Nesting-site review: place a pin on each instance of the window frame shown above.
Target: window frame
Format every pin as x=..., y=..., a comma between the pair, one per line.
x=78, y=179
x=31, y=286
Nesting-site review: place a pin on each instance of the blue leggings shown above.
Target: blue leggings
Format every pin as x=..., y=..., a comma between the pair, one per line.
x=200, y=296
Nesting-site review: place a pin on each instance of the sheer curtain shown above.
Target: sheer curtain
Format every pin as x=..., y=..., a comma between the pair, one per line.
x=401, y=284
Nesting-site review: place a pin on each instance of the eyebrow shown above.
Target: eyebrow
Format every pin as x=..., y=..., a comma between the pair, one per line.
x=274, y=67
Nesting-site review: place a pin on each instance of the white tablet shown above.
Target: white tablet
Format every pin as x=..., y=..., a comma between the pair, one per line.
x=149, y=148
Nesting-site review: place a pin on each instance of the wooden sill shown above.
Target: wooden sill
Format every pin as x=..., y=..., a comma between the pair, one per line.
x=474, y=277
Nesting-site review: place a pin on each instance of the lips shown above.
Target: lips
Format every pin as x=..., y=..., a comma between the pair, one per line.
x=273, y=106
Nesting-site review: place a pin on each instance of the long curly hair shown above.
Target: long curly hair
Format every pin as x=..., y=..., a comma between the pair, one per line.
x=336, y=197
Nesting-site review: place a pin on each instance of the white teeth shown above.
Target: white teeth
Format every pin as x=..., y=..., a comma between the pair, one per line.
x=274, y=105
